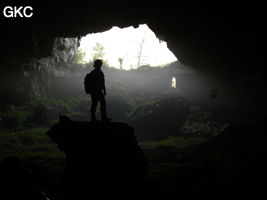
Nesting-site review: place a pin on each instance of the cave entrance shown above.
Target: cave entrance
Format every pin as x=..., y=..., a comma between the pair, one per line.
x=173, y=82
x=126, y=48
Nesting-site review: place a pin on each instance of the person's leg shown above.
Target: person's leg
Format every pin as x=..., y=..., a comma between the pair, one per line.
x=94, y=99
x=103, y=107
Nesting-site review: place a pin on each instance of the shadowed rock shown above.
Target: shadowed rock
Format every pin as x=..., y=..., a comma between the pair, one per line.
x=102, y=158
x=20, y=180
x=160, y=119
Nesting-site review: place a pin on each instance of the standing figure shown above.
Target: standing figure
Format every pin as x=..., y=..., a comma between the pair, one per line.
x=94, y=83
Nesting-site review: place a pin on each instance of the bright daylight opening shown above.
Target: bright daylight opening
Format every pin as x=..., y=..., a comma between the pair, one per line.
x=126, y=48
x=173, y=82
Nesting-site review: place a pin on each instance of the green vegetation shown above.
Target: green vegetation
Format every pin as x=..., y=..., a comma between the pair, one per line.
x=146, y=105
x=201, y=122
x=44, y=112
x=15, y=117
x=22, y=128
x=98, y=51
x=25, y=136
x=79, y=57
x=164, y=154
x=31, y=145
x=178, y=142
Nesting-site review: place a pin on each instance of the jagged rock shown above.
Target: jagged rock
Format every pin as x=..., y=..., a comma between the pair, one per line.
x=101, y=157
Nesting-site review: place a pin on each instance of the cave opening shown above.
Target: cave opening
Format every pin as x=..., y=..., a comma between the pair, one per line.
x=173, y=82
x=126, y=48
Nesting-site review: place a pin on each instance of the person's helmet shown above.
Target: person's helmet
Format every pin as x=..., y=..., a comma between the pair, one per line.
x=98, y=63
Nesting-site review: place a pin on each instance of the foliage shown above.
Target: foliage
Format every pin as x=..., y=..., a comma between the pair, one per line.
x=201, y=122
x=144, y=67
x=42, y=111
x=79, y=57
x=178, y=142
x=15, y=117
x=98, y=51
x=45, y=111
x=30, y=144
x=120, y=97
x=142, y=106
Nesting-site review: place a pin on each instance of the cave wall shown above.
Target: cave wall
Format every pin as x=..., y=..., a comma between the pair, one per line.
x=33, y=77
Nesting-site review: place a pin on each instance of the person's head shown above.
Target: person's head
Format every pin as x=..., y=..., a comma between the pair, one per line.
x=98, y=63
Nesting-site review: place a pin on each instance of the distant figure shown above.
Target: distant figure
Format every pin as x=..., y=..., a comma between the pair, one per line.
x=95, y=86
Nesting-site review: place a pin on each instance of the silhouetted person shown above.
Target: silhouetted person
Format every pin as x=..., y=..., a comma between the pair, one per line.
x=97, y=90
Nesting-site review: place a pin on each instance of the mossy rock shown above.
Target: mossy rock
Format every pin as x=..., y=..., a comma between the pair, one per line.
x=159, y=119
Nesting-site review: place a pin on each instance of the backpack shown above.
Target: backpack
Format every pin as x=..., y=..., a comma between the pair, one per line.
x=88, y=83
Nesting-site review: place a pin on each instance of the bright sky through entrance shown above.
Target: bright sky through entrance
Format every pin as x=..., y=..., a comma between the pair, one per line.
x=128, y=47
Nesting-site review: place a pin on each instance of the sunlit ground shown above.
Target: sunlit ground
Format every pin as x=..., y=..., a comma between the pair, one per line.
x=127, y=48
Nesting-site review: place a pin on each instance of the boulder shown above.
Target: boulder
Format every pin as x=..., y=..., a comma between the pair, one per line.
x=159, y=119
x=102, y=158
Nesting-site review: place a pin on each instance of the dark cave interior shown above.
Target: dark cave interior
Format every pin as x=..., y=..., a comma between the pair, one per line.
x=224, y=42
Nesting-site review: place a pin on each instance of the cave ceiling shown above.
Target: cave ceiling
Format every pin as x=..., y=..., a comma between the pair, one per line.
x=219, y=37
